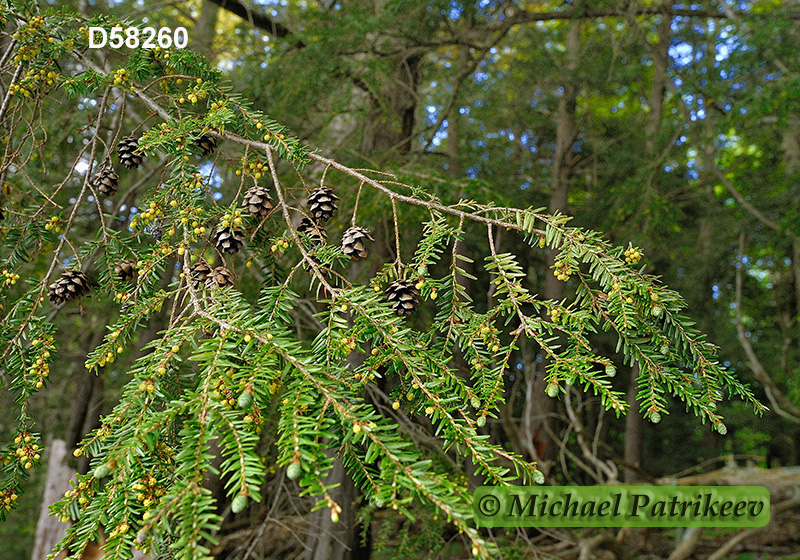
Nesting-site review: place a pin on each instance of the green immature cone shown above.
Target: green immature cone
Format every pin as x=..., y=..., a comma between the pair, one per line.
x=655, y=418
x=481, y=421
x=552, y=391
x=657, y=311
x=239, y=503
x=722, y=428
x=102, y=471
x=538, y=477
x=475, y=402
x=293, y=471
x=245, y=399
x=611, y=371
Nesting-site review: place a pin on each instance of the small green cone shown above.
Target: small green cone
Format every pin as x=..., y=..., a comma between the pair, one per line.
x=657, y=311
x=239, y=503
x=293, y=471
x=245, y=399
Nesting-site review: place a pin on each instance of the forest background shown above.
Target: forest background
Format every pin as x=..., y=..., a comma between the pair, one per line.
x=672, y=127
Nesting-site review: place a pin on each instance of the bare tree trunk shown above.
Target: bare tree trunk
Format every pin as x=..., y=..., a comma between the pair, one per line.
x=337, y=541
x=659, y=85
x=205, y=30
x=87, y=397
x=392, y=132
x=539, y=407
x=634, y=421
x=49, y=529
x=791, y=158
x=634, y=427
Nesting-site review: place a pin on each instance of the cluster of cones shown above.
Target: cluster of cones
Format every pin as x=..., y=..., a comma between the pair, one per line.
x=106, y=181
x=229, y=238
x=402, y=295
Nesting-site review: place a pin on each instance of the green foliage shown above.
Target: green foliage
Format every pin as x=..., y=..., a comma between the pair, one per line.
x=235, y=371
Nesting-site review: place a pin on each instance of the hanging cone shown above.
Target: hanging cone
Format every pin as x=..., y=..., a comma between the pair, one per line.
x=206, y=143
x=353, y=242
x=199, y=272
x=322, y=204
x=257, y=202
x=313, y=230
x=126, y=150
x=229, y=239
x=403, y=297
x=125, y=271
x=156, y=230
x=220, y=277
x=71, y=285
x=106, y=182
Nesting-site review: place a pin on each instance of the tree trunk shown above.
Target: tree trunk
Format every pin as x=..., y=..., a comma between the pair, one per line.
x=86, y=399
x=391, y=130
x=337, y=541
x=634, y=420
x=342, y=540
x=634, y=427
x=49, y=529
x=539, y=407
x=791, y=159
x=205, y=30
x=659, y=85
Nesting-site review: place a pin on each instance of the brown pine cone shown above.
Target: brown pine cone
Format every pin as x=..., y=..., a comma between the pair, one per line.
x=403, y=296
x=125, y=271
x=257, y=202
x=126, y=150
x=353, y=242
x=322, y=203
x=313, y=230
x=229, y=239
x=220, y=277
x=199, y=273
x=71, y=285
